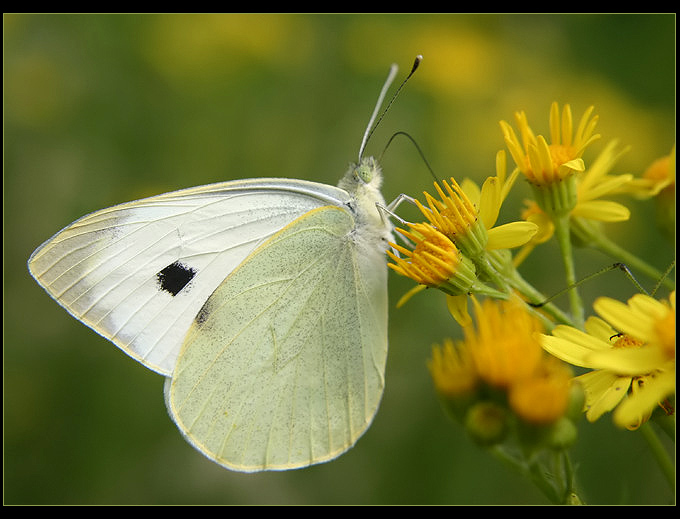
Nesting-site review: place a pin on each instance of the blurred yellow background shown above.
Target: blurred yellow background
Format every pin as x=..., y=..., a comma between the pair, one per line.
x=103, y=109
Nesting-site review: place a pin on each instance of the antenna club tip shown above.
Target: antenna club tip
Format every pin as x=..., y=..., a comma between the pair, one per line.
x=416, y=63
x=390, y=77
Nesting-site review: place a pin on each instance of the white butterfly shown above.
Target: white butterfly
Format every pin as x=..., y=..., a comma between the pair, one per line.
x=263, y=301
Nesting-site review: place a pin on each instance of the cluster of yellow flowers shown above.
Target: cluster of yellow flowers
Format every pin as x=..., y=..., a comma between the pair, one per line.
x=502, y=354
x=512, y=347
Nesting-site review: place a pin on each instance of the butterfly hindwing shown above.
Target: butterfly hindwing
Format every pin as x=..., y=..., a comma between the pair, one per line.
x=284, y=365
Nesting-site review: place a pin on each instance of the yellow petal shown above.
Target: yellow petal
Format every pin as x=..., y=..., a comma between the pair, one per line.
x=571, y=345
x=576, y=336
x=471, y=190
x=603, y=391
x=598, y=169
x=628, y=361
x=507, y=185
x=490, y=201
x=408, y=295
x=458, y=308
x=511, y=235
x=545, y=157
x=648, y=306
x=514, y=147
x=644, y=400
x=602, y=210
x=555, y=125
x=535, y=166
x=603, y=187
x=546, y=227
x=501, y=166
x=601, y=329
x=631, y=321
x=586, y=126
x=575, y=165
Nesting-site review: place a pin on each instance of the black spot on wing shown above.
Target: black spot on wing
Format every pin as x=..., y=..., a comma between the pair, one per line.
x=173, y=278
x=203, y=313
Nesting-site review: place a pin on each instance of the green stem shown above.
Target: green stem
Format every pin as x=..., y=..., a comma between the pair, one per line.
x=538, y=476
x=537, y=298
x=530, y=471
x=659, y=452
x=550, y=483
x=667, y=424
x=570, y=495
x=597, y=239
x=564, y=240
x=483, y=265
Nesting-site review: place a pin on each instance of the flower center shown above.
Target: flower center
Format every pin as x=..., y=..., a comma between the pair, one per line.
x=456, y=223
x=560, y=154
x=626, y=341
x=435, y=247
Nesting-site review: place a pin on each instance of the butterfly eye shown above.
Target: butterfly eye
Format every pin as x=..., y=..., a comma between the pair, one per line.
x=364, y=173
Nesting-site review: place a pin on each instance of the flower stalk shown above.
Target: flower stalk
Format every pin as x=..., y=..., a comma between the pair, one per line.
x=660, y=453
x=564, y=240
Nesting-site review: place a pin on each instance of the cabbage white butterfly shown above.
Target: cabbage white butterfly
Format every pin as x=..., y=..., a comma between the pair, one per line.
x=263, y=302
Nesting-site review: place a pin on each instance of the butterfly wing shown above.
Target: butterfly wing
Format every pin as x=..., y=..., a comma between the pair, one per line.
x=284, y=365
x=138, y=273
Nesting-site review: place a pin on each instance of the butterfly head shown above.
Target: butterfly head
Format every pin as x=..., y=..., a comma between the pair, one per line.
x=364, y=175
x=367, y=171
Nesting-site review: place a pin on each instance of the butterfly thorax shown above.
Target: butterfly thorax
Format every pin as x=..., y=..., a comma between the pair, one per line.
x=363, y=181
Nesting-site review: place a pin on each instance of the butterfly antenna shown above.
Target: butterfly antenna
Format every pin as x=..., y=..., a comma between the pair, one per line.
x=390, y=78
x=420, y=152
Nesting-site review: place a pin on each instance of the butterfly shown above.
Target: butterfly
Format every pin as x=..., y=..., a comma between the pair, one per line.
x=263, y=302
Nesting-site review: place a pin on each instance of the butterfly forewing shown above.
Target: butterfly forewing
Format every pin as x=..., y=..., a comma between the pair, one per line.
x=138, y=273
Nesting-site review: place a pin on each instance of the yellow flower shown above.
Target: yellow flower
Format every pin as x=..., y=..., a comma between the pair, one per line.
x=452, y=370
x=503, y=345
x=543, y=163
x=596, y=183
x=632, y=351
x=471, y=224
x=507, y=355
x=550, y=168
x=455, y=217
x=455, y=221
x=658, y=181
x=434, y=261
x=543, y=397
x=503, y=353
x=659, y=176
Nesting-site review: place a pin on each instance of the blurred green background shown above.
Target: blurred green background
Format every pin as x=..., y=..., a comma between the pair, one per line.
x=102, y=109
